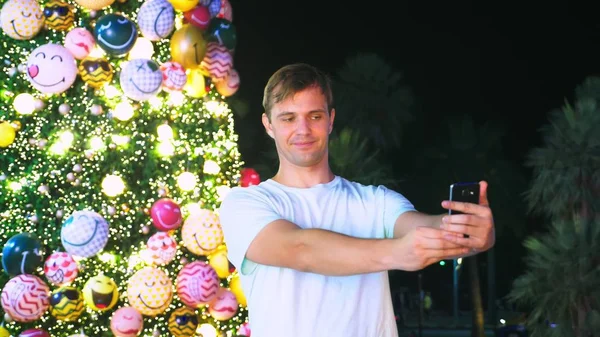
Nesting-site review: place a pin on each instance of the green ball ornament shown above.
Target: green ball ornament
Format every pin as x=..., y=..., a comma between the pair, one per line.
x=115, y=34
x=222, y=31
x=22, y=254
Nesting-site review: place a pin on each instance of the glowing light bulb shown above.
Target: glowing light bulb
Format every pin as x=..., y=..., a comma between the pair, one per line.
x=164, y=132
x=96, y=143
x=206, y=330
x=166, y=149
x=123, y=111
x=142, y=49
x=211, y=167
x=24, y=104
x=113, y=185
x=186, y=181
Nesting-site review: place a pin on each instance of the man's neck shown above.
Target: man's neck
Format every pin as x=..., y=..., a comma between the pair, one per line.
x=303, y=177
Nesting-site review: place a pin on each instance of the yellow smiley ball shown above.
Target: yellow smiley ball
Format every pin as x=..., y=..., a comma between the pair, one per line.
x=94, y=4
x=7, y=134
x=188, y=46
x=183, y=5
x=59, y=15
x=100, y=293
x=21, y=19
x=150, y=291
x=4, y=332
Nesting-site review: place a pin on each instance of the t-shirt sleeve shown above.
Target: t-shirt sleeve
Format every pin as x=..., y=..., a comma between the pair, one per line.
x=243, y=213
x=394, y=204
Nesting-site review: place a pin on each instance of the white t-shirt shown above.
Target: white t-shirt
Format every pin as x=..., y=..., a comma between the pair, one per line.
x=287, y=302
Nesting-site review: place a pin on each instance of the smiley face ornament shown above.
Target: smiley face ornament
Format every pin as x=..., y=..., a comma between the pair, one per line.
x=156, y=19
x=51, y=68
x=126, y=322
x=59, y=15
x=96, y=72
x=141, y=79
x=100, y=293
x=183, y=322
x=94, y=4
x=150, y=291
x=21, y=19
x=115, y=34
x=66, y=303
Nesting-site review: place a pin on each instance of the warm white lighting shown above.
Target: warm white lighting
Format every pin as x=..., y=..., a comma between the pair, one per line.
x=96, y=143
x=110, y=91
x=113, y=185
x=164, y=132
x=193, y=208
x=24, y=104
x=166, y=149
x=142, y=49
x=206, y=330
x=176, y=98
x=186, y=181
x=222, y=191
x=120, y=140
x=123, y=111
x=211, y=167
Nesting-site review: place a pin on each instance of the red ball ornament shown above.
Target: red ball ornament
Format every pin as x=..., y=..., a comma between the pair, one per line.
x=199, y=17
x=166, y=215
x=249, y=177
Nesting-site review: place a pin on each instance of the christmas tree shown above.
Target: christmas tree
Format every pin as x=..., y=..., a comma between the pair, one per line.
x=116, y=147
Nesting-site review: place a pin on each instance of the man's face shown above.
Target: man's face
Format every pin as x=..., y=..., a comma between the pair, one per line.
x=300, y=126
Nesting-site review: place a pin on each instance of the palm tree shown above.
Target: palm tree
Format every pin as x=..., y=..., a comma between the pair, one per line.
x=371, y=97
x=470, y=152
x=562, y=283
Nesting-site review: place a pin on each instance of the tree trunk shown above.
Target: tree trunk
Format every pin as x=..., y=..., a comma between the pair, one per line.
x=477, y=324
x=491, y=271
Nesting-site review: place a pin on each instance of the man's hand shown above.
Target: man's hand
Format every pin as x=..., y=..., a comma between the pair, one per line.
x=477, y=222
x=423, y=246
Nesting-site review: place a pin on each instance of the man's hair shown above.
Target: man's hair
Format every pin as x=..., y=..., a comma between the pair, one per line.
x=292, y=79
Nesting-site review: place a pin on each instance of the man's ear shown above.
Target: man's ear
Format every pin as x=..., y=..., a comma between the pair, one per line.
x=331, y=118
x=267, y=125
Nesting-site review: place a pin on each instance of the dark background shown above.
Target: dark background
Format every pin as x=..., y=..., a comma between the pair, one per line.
x=508, y=63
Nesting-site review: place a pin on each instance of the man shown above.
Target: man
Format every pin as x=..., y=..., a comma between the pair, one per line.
x=312, y=248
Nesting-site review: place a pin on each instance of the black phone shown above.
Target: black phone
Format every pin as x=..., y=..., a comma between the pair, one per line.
x=464, y=192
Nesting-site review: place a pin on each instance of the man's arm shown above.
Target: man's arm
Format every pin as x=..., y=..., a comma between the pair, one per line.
x=476, y=221
x=282, y=243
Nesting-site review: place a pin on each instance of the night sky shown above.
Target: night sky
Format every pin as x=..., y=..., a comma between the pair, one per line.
x=509, y=63
x=512, y=63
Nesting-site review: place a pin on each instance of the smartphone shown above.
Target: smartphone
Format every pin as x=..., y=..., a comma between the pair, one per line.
x=464, y=192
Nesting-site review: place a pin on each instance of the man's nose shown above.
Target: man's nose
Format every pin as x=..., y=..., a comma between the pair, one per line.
x=303, y=125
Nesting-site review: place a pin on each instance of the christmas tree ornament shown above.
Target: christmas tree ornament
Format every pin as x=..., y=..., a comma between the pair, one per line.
x=141, y=79
x=156, y=19
x=22, y=254
x=21, y=19
x=100, y=293
x=51, y=68
x=126, y=322
x=115, y=34
x=80, y=42
x=25, y=290
x=58, y=15
x=94, y=4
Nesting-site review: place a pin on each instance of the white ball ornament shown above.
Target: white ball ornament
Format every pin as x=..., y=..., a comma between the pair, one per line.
x=96, y=110
x=51, y=68
x=39, y=104
x=64, y=109
x=84, y=233
x=141, y=79
x=156, y=19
